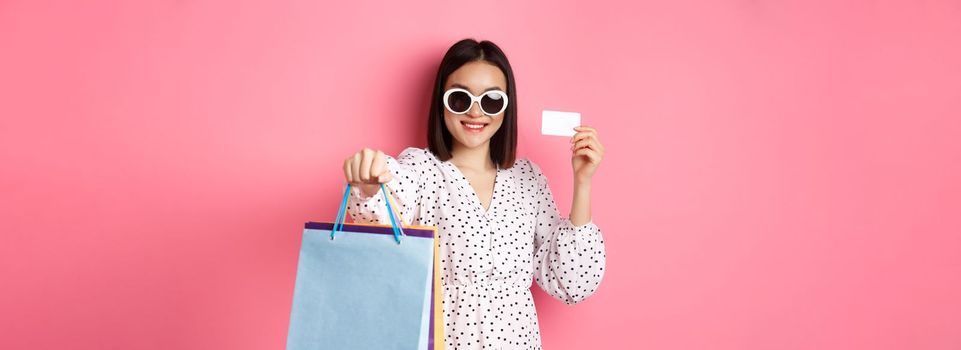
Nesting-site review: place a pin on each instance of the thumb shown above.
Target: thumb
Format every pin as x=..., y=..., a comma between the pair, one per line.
x=385, y=177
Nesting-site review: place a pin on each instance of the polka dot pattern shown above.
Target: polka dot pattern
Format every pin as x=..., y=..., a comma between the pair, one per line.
x=489, y=258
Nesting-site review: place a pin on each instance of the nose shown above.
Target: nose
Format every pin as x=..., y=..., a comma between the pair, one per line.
x=475, y=111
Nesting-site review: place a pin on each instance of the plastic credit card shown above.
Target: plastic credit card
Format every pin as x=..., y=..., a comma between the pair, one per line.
x=559, y=123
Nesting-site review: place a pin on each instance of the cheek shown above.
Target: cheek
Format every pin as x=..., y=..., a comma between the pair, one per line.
x=451, y=122
x=497, y=124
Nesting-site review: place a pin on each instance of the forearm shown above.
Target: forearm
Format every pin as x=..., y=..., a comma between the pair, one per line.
x=581, y=207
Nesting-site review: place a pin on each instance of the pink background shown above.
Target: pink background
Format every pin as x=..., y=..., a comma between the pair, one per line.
x=780, y=175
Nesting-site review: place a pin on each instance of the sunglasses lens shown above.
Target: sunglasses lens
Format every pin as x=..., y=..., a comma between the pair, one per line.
x=492, y=103
x=458, y=102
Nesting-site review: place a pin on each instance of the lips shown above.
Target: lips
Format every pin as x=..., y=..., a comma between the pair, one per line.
x=474, y=127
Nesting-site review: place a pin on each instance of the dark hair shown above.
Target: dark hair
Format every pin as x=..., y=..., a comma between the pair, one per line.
x=503, y=145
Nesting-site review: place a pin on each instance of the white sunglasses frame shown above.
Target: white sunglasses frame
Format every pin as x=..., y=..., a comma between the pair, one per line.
x=476, y=99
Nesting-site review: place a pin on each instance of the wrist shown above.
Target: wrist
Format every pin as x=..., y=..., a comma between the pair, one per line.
x=582, y=182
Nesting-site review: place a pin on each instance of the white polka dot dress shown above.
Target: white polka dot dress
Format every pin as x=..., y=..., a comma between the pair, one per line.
x=489, y=258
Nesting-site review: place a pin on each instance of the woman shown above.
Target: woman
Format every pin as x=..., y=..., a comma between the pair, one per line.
x=499, y=227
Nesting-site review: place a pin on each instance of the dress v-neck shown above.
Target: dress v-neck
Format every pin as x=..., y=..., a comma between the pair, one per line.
x=476, y=198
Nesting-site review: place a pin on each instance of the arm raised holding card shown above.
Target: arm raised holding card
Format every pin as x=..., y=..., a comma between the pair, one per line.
x=587, y=153
x=570, y=255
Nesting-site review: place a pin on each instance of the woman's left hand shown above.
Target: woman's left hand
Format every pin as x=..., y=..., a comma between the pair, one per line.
x=587, y=153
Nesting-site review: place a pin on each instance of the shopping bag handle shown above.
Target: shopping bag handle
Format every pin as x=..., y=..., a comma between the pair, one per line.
x=342, y=214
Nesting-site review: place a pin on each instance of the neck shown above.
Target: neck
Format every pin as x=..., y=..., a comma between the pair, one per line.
x=477, y=158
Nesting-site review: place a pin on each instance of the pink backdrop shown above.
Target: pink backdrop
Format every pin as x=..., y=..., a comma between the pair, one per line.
x=780, y=175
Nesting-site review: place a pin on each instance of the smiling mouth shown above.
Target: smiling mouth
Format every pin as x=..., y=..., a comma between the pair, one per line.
x=474, y=126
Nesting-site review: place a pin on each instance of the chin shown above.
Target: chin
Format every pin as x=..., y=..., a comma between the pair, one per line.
x=475, y=144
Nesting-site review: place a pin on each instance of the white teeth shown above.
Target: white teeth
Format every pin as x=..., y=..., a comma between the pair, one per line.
x=474, y=126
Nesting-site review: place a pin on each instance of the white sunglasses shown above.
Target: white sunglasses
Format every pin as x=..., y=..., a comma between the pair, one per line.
x=459, y=101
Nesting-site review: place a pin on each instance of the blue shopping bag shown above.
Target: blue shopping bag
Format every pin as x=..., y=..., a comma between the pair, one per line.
x=363, y=286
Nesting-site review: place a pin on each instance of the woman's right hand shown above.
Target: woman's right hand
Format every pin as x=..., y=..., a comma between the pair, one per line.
x=367, y=169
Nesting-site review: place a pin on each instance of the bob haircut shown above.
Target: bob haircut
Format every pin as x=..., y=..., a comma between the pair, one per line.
x=503, y=145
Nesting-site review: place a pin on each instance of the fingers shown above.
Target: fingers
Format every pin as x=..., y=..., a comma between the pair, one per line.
x=585, y=127
x=347, y=171
x=587, y=143
x=355, y=167
x=590, y=143
x=587, y=138
x=366, y=158
x=586, y=132
x=582, y=134
x=367, y=166
x=591, y=155
x=378, y=168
